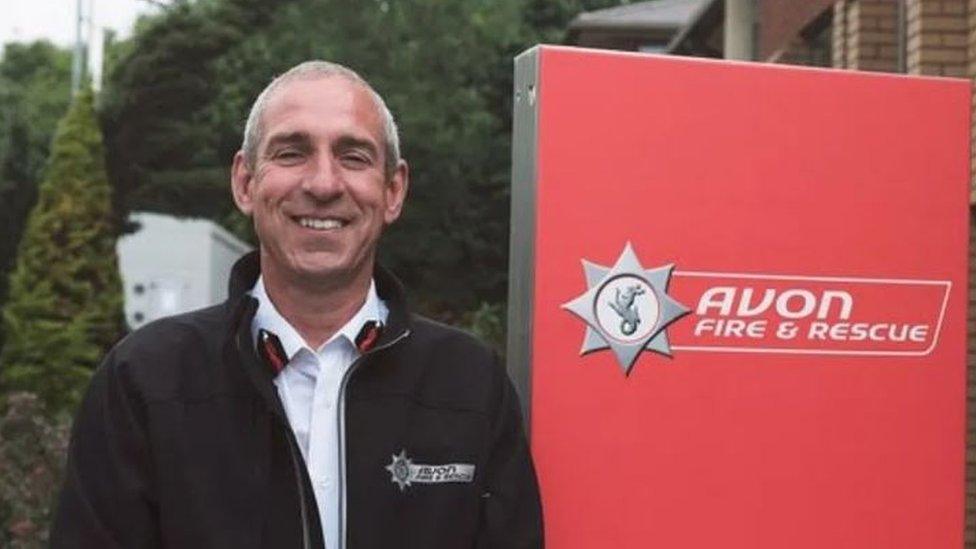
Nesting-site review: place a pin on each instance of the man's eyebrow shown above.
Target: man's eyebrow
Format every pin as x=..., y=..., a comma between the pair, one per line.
x=291, y=138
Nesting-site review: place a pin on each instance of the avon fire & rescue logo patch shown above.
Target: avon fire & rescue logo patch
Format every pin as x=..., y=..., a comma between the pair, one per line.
x=404, y=472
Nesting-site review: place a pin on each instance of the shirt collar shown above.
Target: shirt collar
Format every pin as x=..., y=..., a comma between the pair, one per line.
x=267, y=317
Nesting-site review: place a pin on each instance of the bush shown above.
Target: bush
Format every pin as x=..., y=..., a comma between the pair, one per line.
x=65, y=306
x=32, y=450
x=488, y=323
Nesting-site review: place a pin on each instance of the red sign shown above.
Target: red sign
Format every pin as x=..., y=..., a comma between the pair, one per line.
x=740, y=293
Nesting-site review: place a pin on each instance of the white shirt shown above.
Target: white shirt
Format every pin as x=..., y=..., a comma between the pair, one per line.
x=309, y=390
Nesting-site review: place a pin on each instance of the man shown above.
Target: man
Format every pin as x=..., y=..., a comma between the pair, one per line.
x=311, y=409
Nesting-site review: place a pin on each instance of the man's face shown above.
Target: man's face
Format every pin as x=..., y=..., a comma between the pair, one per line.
x=318, y=192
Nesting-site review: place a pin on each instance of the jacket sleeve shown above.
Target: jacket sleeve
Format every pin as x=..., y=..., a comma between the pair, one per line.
x=107, y=500
x=512, y=512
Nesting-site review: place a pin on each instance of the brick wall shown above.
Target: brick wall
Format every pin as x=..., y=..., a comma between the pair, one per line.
x=971, y=73
x=838, y=38
x=938, y=37
x=865, y=35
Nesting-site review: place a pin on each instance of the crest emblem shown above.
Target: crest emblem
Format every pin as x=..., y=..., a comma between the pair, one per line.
x=399, y=469
x=626, y=308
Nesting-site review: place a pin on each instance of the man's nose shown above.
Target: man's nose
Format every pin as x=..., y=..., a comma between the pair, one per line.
x=324, y=179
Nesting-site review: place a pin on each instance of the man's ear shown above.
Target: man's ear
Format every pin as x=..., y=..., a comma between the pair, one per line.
x=396, y=192
x=241, y=180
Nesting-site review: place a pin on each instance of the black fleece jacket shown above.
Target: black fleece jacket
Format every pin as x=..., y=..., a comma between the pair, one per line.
x=181, y=441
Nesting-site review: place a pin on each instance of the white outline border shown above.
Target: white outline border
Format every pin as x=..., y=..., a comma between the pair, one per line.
x=904, y=281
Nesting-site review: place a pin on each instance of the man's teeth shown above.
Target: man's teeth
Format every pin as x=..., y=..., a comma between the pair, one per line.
x=320, y=224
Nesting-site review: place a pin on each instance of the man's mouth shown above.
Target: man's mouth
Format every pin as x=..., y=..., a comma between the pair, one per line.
x=321, y=223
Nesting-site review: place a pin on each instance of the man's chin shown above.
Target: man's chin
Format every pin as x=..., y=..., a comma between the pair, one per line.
x=325, y=270
x=316, y=268
x=320, y=270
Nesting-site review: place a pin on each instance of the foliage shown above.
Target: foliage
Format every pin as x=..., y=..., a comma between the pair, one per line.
x=444, y=67
x=65, y=307
x=159, y=141
x=34, y=93
x=32, y=449
x=488, y=323
x=436, y=62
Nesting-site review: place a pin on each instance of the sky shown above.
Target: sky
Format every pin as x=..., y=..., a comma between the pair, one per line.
x=28, y=20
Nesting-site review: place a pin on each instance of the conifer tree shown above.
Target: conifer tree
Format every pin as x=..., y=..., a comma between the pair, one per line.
x=65, y=306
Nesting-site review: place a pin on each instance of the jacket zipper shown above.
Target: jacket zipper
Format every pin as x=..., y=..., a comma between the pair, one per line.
x=296, y=468
x=342, y=433
x=303, y=508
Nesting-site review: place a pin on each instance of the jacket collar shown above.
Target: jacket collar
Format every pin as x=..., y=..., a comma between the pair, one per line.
x=372, y=312
x=241, y=307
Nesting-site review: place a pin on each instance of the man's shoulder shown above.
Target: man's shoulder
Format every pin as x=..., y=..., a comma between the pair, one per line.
x=427, y=331
x=172, y=333
x=450, y=368
x=156, y=356
x=451, y=353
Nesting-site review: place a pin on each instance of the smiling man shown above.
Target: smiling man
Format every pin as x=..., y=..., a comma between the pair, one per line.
x=311, y=409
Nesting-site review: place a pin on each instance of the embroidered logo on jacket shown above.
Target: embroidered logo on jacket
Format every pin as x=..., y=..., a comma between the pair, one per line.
x=404, y=472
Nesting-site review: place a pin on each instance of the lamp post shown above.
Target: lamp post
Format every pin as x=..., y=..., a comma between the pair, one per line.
x=77, y=61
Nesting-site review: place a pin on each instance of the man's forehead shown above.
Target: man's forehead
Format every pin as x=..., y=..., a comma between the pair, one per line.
x=321, y=93
x=330, y=99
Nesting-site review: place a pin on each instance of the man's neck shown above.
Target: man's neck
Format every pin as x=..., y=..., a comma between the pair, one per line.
x=316, y=310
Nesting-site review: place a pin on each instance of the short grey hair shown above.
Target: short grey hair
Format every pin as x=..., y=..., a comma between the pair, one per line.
x=310, y=70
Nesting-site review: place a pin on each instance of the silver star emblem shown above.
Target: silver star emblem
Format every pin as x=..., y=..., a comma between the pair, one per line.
x=399, y=469
x=626, y=308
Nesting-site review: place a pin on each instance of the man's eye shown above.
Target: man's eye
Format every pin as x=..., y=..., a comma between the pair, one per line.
x=356, y=159
x=287, y=156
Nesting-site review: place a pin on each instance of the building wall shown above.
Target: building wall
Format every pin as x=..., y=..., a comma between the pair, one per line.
x=782, y=19
x=971, y=73
x=938, y=40
x=865, y=35
x=838, y=44
x=941, y=42
x=803, y=52
x=813, y=46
